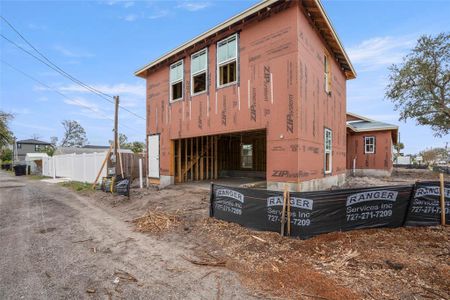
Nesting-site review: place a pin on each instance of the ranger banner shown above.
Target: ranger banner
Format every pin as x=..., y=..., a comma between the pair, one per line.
x=425, y=209
x=312, y=213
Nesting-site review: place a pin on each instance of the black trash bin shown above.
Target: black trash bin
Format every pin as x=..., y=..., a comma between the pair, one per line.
x=20, y=170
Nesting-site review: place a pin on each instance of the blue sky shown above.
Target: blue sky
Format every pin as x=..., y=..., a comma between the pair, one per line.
x=103, y=42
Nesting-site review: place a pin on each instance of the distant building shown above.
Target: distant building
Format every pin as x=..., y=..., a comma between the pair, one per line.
x=370, y=146
x=30, y=146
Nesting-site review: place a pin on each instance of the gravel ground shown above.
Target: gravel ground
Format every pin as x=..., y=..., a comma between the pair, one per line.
x=56, y=244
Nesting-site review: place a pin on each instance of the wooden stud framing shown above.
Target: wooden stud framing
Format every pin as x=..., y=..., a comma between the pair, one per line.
x=215, y=157
x=201, y=159
x=179, y=161
x=192, y=159
x=185, y=159
x=197, y=164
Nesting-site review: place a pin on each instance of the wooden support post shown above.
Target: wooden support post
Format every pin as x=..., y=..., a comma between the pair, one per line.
x=179, y=160
x=185, y=159
x=191, y=161
x=288, y=213
x=101, y=168
x=283, y=213
x=197, y=159
x=211, y=176
x=201, y=158
x=442, y=189
x=119, y=157
x=207, y=157
x=215, y=157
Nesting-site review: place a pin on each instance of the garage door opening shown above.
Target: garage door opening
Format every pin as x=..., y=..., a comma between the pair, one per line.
x=233, y=155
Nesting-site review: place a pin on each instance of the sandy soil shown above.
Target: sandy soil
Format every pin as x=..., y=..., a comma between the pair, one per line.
x=401, y=263
x=55, y=244
x=166, y=241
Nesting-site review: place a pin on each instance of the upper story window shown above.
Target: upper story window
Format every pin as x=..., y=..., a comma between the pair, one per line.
x=326, y=73
x=199, y=68
x=176, y=81
x=369, y=144
x=19, y=146
x=37, y=148
x=227, y=50
x=328, y=149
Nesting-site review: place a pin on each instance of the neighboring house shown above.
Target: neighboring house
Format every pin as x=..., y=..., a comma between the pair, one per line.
x=30, y=146
x=261, y=94
x=370, y=146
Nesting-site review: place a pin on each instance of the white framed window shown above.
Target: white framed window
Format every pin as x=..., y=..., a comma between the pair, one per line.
x=19, y=146
x=176, y=81
x=369, y=144
x=199, y=72
x=326, y=73
x=227, y=61
x=247, y=156
x=328, y=149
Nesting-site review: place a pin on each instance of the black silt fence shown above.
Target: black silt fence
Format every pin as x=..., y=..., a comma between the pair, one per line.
x=313, y=213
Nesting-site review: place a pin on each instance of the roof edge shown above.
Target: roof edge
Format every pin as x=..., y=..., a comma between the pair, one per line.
x=253, y=9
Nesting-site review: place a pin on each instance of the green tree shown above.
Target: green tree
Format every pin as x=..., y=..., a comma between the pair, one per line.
x=6, y=136
x=136, y=147
x=419, y=86
x=399, y=147
x=74, y=134
x=6, y=155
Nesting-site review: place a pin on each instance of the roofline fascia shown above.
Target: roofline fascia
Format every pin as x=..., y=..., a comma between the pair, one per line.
x=231, y=21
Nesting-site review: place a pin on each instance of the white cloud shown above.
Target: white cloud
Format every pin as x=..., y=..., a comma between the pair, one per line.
x=194, y=5
x=158, y=14
x=378, y=52
x=137, y=89
x=88, y=109
x=72, y=52
x=130, y=17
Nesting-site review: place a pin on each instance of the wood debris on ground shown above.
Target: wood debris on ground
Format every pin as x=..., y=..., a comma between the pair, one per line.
x=156, y=222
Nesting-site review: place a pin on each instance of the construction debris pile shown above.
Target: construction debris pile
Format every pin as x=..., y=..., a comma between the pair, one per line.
x=156, y=222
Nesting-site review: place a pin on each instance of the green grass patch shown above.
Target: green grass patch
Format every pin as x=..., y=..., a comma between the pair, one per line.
x=37, y=177
x=76, y=185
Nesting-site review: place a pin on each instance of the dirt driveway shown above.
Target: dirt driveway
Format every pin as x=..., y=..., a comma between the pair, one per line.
x=56, y=244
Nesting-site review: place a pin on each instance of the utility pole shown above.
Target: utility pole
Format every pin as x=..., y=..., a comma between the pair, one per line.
x=116, y=133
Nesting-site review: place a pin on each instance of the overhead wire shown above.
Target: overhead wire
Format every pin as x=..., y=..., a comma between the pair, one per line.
x=61, y=94
x=58, y=69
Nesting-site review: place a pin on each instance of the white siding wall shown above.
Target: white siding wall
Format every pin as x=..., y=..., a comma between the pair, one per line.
x=78, y=167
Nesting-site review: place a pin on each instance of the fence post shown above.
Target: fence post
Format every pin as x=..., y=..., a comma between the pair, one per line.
x=54, y=167
x=84, y=167
x=211, y=201
x=442, y=189
x=140, y=173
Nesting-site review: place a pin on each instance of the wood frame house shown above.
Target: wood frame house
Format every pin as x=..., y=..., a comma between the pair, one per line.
x=262, y=94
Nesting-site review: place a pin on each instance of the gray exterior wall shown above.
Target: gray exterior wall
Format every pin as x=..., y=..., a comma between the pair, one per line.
x=28, y=148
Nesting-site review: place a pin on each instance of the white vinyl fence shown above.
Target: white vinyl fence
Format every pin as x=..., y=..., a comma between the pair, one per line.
x=78, y=167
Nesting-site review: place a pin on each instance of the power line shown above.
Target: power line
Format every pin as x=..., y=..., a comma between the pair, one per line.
x=60, y=70
x=61, y=94
x=56, y=68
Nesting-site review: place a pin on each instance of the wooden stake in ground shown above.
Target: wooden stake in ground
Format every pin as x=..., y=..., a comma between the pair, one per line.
x=288, y=213
x=103, y=165
x=283, y=213
x=441, y=179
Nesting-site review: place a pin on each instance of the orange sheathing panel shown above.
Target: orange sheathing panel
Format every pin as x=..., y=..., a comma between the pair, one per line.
x=381, y=159
x=280, y=54
x=318, y=109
